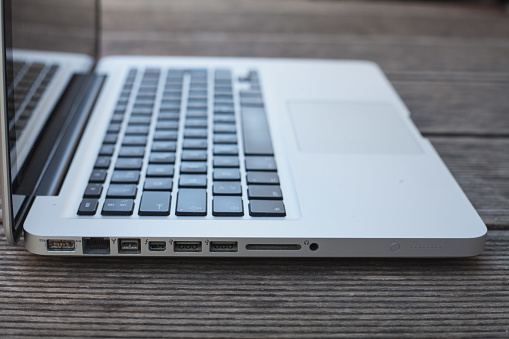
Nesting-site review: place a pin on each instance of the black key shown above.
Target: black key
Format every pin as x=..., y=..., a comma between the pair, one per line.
x=256, y=132
x=260, y=164
x=262, y=178
x=197, y=113
x=272, y=192
x=225, y=128
x=142, y=110
x=102, y=162
x=226, y=161
x=164, y=146
x=165, y=135
x=195, y=144
x=227, y=188
x=162, y=158
x=225, y=138
x=232, y=174
x=135, y=140
x=125, y=177
x=137, y=130
x=129, y=163
x=170, y=105
x=266, y=208
x=121, y=191
x=193, y=180
x=110, y=139
x=193, y=167
x=114, y=128
x=195, y=133
x=191, y=202
x=251, y=102
x=224, y=109
x=98, y=175
x=160, y=171
x=132, y=152
x=118, y=207
x=140, y=120
x=196, y=123
x=224, y=118
x=167, y=125
x=116, y=118
x=158, y=184
x=88, y=207
x=93, y=191
x=227, y=206
x=188, y=155
x=107, y=150
x=168, y=116
x=155, y=203
x=225, y=150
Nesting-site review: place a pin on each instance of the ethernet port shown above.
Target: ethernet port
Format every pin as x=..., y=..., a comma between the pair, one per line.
x=96, y=245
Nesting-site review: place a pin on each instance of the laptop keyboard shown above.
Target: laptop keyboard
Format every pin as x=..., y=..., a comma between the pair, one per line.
x=167, y=141
x=30, y=81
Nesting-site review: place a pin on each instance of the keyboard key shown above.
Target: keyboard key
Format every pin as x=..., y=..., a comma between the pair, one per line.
x=93, y=191
x=199, y=123
x=132, y=152
x=191, y=202
x=118, y=207
x=160, y=171
x=195, y=144
x=195, y=133
x=272, y=192
x=224, y=118
x=260, y=163
x=134, y=140
x=102, y=162
x=88, y=207
x=232, y=174
x=158, y=184
x=225, y=150
x=121, y=191
x=225, y=138
x=256, y=132
x=162, y=158
x=193, y=180
x=137, y=130
x=227, y=188
x=168, y=116
x=140, y=120
x=227, y=206
x=129, y=163
x=125, y=177
x=98, y=175
x=164, y=146
x=193, y=167
x=226, y=161
x=165, y=135
x=167, y=125
x=262, y=178
x=197, y=113
x=225, y=128
x=114, y=128
x=107, y=150
x=188, y=155
x=110, y=139
x=266, y=208
x=155, y=203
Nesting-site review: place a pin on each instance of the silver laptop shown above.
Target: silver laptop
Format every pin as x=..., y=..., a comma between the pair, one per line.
x=213, y=157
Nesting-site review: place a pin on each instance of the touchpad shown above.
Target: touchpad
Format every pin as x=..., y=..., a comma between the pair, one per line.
x=350, y=127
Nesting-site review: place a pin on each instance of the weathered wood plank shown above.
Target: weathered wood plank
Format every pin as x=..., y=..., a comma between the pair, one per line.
x=256, y=297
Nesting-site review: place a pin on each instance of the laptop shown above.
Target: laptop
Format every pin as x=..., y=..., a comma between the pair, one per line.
x=211, y=157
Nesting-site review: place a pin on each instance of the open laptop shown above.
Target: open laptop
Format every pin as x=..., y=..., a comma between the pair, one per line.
x=187, y=156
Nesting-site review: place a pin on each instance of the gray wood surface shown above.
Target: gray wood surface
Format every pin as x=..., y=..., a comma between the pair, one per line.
x=450, y=63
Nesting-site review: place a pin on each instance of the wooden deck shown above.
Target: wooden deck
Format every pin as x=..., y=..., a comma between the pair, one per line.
x=450, y=63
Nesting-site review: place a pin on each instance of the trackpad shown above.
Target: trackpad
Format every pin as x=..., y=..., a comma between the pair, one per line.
x=350, y=127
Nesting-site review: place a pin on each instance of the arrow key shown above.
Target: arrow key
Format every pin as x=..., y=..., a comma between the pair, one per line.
x=155, y=203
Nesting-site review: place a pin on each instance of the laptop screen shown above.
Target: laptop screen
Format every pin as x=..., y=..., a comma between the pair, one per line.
x=45, y=43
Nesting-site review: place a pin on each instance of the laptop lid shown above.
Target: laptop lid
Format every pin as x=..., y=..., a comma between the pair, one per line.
x=43, y=44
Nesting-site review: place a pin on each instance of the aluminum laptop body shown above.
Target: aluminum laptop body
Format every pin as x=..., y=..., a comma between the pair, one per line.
x=356, y=177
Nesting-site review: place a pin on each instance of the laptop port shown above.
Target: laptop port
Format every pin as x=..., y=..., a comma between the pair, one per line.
x=60, y=245
x=187, y=246
x=96, y=245
x=157, y=246
x=224, y=246
x=273, y=247
x=129, y=246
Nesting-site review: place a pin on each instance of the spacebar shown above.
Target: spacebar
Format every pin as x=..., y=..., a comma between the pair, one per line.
x=256, y=132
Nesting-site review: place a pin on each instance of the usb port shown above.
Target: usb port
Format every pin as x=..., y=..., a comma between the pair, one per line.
x=60, y=245
x=224, y=246
x=157, y=246
x=187, y=246
x=129, y=246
